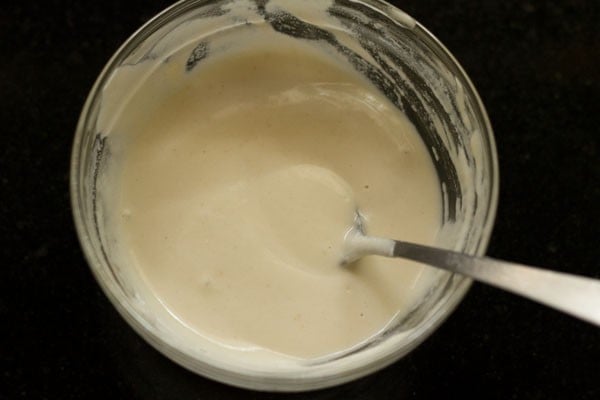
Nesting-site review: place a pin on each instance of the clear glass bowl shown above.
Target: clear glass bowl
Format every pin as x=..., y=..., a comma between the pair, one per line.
x=406, y=62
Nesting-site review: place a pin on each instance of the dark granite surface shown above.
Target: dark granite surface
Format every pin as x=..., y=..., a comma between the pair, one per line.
x=536, y=65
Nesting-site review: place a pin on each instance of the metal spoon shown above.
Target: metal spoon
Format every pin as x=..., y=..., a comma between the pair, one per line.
x=575, y=295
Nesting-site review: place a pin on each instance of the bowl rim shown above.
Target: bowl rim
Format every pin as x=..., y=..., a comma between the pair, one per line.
x=271, y=380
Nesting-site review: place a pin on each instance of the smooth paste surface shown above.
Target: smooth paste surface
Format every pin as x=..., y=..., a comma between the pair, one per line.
x=236, y=187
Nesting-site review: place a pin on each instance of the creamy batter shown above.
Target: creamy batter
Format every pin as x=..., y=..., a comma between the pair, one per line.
x=238, y=180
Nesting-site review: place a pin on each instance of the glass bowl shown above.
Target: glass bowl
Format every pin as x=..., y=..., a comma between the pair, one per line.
x=406, y=62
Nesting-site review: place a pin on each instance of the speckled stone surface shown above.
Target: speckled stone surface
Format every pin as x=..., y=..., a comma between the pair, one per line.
x=536, y=65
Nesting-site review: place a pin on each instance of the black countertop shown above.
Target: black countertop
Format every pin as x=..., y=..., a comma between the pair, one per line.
x=536, y=65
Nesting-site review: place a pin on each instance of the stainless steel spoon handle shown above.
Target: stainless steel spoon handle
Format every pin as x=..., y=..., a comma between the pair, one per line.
x=575, y=295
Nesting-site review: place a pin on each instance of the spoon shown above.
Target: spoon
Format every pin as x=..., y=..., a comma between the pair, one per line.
x=575, y=295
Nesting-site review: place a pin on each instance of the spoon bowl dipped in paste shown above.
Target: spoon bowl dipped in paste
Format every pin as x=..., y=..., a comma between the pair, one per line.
x=221, y=156
x=576, y=295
